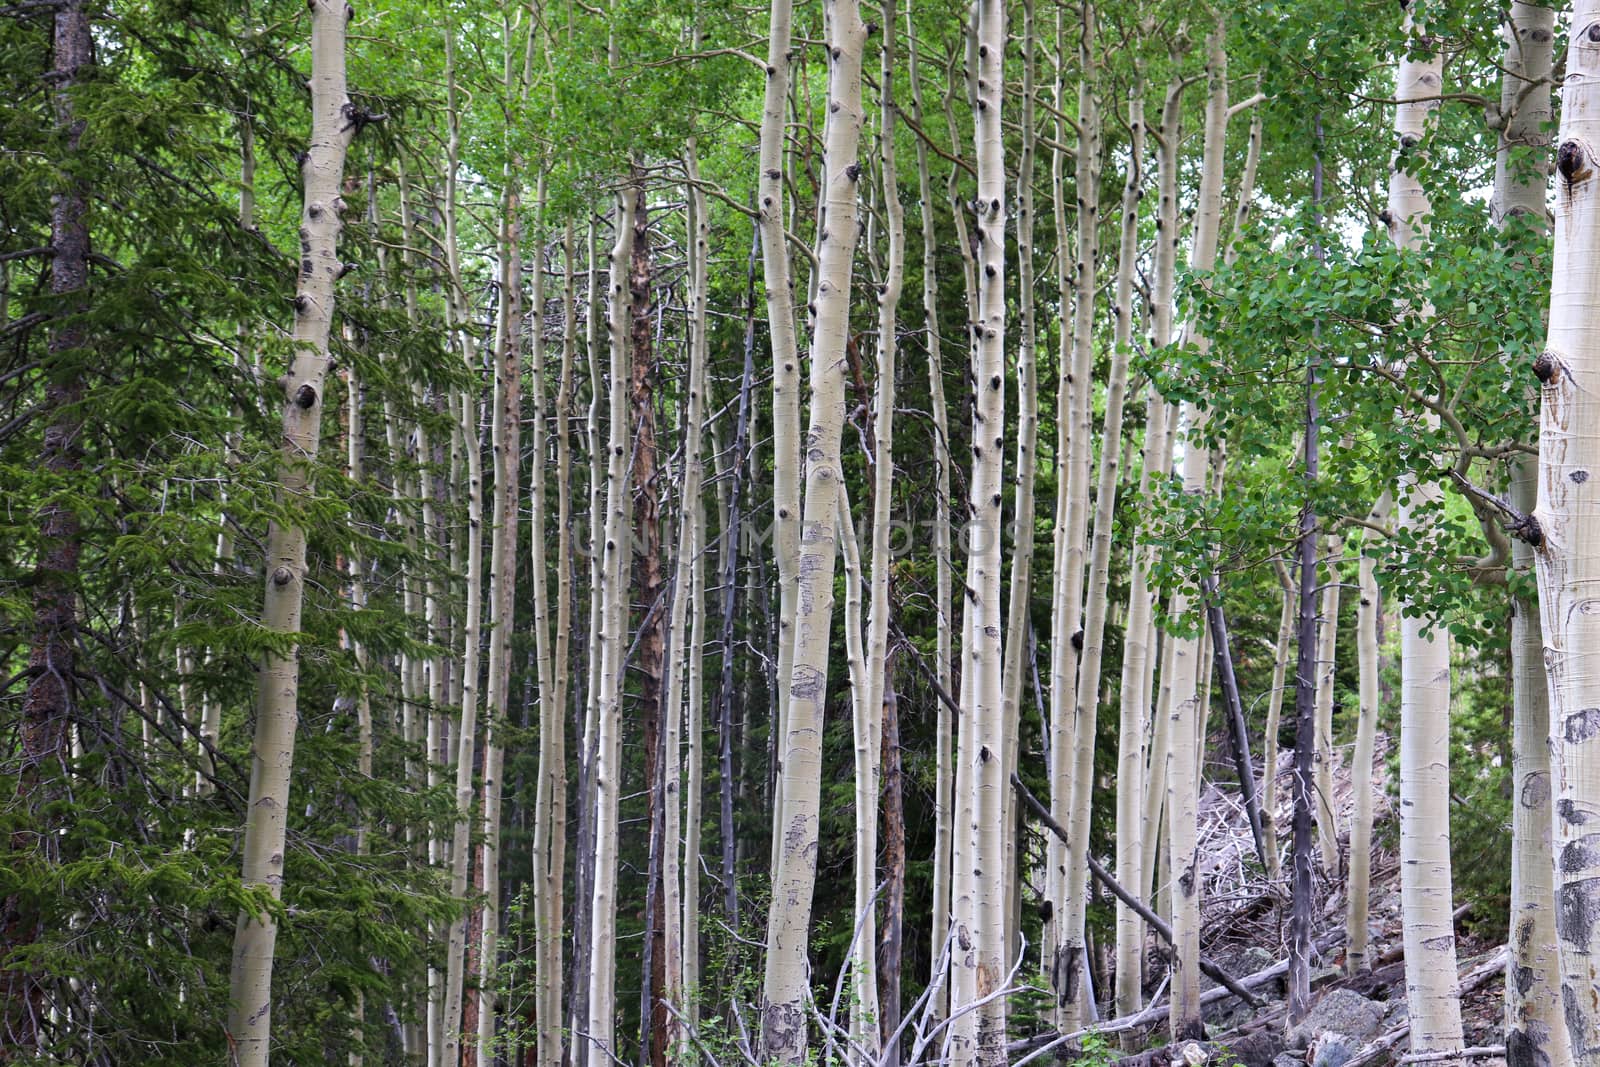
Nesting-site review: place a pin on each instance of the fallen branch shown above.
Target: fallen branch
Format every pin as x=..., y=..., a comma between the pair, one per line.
x=1207, y=967
x=1387, y=1041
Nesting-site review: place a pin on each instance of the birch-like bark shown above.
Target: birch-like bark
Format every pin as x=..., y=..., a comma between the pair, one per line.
x=1568, y=517
x=783, y=1020
x=333, y=126
x=985, y=712
x=1134, y=709
x=943, y=578
x=786, y=443
x=1017, y=631
x=1327, y=646
x=1358, y=883
x=1269, y=744
x=550, y=791
x=678, y=651
x=1074, y=451
x=1432, y=992
x=598, y=1037
x=459, y=317
x=1182, y=764
x=1160, y=435
x=869, y=718
x=1535, y=1026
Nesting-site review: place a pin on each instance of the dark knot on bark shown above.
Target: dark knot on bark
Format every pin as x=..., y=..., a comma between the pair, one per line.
x=1570, y=162
x=1544, y=368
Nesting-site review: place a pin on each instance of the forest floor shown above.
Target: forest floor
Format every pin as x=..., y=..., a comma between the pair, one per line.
x=1355, y=1021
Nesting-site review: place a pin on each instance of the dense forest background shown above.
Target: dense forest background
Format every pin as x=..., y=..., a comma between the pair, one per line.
x=544, y=532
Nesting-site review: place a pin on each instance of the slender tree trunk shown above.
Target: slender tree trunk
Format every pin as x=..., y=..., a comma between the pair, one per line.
x=1327, y=646
x=894, y=863
x=1269, y=747
x=550, y=792
x=278, y=678
x=677, y=667
x=1536, y=1032
x=459, y=316
x=1160, y=433
x=1432, y=993
x=943, y=577
x=1131, y=731
x=1017, y=629
x=786, y=445
x=1182, y=763
x=783, y=1021
x=1134, y=703
x=1358, y=884
x=599, y=1036
x=1073, y=753
x=985, y=709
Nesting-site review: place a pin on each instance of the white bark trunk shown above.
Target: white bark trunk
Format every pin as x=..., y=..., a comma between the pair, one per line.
x=1358, y=882
x=783, y=1023
x=1569, y=517
x=278, y=677
x=1432, y=993
x=599, y=1038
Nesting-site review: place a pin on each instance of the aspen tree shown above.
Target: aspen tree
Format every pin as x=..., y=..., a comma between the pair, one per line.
x=1358, y=883
x=1072, y=752
x=1568, y=519
x=1432, y=993
x=599, y=462
x=1018, y=629
x=786, y=443
x=943, y=578
x=1160, y=435
x=550, y=792
x=1327, y=644
x=1182, y=765
x=459, y=316
x=1535, y=1019
x=783, y=1021
x=334, y=121
x=677, y=666
x=598, y=1034
x=990, y=777
x=1134, y=704
x=1269, y=748
x=694, y=762
x=869, y=717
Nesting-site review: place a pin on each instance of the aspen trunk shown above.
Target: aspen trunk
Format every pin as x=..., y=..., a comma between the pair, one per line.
x=1432, y=994
x=1088, y=687
x=1569, y=520
x=1182, y=761
x=786, y=444
x=677, y=666
x=1156, y=466
x=783, y=1021
x=548, y=874
x=599, y=1030
x=1358, y=883
x=1536, y=1031
x=869, y=719
x=1327, y=645
x=1017, y=629
x=986, y=717
x=278, y=678
x=1073, y=753
x=1269, y=746
x=507, y=445
x=1134, y=708
x=943, y=577
x=459, y=317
